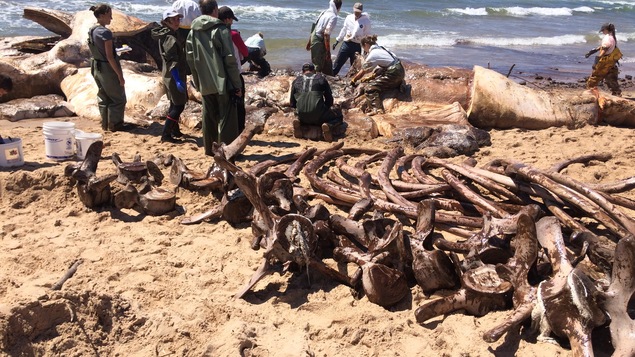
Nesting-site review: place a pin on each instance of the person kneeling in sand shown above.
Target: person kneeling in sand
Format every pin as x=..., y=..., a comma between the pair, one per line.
x=312, y=97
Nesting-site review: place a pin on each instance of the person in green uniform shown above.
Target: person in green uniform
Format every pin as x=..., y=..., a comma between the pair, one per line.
x=210, y=54
x=106, y=70
x=320, y=40
x=312, y=98
x=174, y=69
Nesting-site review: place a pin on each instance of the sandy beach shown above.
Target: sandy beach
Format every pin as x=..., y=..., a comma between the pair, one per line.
x=149, y=286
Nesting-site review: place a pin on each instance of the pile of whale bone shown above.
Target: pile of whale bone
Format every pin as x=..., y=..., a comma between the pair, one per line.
x=537, y=243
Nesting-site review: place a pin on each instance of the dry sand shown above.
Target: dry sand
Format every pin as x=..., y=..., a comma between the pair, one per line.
x=149, y=286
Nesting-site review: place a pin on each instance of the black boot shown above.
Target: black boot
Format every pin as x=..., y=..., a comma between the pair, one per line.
x=166, y=136
x=176, y=130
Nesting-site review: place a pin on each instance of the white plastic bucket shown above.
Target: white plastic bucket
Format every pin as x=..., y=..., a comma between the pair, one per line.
x=83, y=141
x=11, y=152
x=59, y=140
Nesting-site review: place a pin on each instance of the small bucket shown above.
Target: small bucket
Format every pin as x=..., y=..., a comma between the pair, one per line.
x=83, y=141
x=59, y=140
x=11, y=152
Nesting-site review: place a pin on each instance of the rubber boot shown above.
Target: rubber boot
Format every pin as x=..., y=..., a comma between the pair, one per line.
x=103, y=112
x=176, y=130
x=166, y=136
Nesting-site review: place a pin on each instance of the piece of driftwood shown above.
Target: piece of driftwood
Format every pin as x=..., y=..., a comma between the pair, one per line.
x=69, y=274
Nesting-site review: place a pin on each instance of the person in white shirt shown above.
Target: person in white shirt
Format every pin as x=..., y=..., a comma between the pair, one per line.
x=605, y=67
x=320, y=42
x=387, y=74
x=356, y=26
x=190, y=10
x=257, y=52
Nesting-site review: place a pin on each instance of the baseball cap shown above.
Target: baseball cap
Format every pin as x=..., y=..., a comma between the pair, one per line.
x=358, y=7
x=171, y=13
x=308, y=67
x=225, y=12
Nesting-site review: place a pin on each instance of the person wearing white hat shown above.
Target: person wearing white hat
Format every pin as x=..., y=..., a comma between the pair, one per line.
x=356, y=26
x=190, y=10
x=320, y=41
x=173, y=71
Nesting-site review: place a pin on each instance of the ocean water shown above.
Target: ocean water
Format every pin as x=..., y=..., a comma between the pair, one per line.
x=546, y=38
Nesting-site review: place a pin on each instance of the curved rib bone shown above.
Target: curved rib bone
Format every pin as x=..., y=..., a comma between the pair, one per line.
x=417, y=170
x=596, y=197
x=384, y=180
x=239, y=144
x=343, y=194
x=470, y=173
x=603, y=156
x=571, y=196
x=472, y=196
x=615, y=187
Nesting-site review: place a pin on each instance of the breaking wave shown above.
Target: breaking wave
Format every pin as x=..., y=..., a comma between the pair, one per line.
x=433, y=40
x=521, y=11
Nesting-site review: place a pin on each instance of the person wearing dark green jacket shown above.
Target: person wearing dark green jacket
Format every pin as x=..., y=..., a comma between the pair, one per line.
x=210, y=54
x=174, y=69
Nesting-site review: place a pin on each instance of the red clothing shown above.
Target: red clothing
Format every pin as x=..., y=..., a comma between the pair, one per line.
x=239, y=43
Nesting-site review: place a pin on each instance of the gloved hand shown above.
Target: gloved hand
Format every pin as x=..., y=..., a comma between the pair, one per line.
x=180, y=86
x=335, y=44
x=588, y=54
